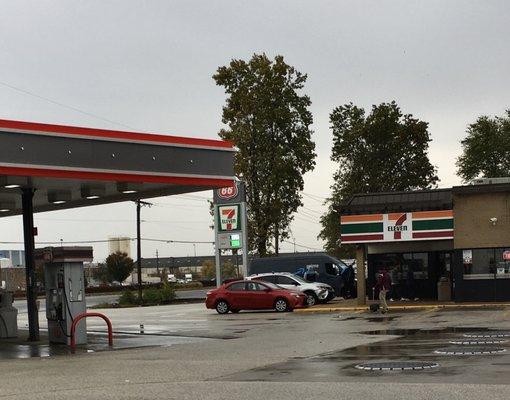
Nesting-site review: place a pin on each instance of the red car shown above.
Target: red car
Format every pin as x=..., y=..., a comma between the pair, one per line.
x=253, y=295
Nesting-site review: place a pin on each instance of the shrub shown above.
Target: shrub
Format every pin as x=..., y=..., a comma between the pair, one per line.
x=167, y=293
x=152, y=296
x=128, y=297
x=159, y=296
x=189, y=285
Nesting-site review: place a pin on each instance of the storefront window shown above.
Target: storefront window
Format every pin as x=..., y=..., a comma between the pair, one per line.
x=503, y=262
x=486, y=263
x=403, y=267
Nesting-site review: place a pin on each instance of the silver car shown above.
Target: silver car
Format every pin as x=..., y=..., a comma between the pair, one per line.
x=316, y=292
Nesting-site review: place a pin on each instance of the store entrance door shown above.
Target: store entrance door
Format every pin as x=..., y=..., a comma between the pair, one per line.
x=443, y=276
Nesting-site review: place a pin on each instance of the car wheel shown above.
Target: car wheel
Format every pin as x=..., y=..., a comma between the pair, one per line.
x=331, y=296
x=281, y=305
x=311, y=299
x=222, y=307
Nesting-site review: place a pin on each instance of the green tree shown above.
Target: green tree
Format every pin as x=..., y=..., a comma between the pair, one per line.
x=101, y=274
x=486, y=149
x=269, y=122
x=119, y=266
x=228, y=270
x=383, y=151
x=208, y=270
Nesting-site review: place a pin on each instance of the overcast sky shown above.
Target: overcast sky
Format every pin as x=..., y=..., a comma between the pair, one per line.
x=147, y=65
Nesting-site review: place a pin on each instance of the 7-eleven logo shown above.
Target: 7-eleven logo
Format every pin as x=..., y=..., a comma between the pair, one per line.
x=229, y=217
x=397, y=226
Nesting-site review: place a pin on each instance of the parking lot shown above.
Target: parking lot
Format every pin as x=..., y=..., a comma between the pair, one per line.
x=187, y=352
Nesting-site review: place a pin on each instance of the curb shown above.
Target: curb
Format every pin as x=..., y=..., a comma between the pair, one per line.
x=404, y=308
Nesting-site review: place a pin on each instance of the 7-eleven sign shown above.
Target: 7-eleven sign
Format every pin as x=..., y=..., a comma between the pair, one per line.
x=229, y=217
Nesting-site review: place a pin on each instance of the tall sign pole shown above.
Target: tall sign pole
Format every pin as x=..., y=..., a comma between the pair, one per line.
x=244, y=215
x=230, y=224
x=217, y=250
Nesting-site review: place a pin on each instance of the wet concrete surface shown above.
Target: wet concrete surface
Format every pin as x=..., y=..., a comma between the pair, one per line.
x=420, y=345
x=188, y=352
x=20, y=348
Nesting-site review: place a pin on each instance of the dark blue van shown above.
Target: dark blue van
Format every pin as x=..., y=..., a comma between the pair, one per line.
x=319, y=267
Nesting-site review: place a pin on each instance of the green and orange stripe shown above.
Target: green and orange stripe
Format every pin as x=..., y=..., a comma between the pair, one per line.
x=426, y=225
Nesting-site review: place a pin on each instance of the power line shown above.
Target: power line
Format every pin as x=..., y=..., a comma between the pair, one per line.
x=122, y=220
x=302, y=246
x=319, y=199
x=311, y=210
x=65, y=106
x=114, y=240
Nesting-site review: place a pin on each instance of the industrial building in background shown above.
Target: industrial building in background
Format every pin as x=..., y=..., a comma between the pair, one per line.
x=16, y=258
x=119, y=244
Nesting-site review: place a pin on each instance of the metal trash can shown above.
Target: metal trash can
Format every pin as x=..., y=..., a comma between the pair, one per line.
x=444, y=289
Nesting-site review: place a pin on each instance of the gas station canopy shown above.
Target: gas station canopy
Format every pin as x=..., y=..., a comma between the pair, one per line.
x=52, y=167
x=72, y=167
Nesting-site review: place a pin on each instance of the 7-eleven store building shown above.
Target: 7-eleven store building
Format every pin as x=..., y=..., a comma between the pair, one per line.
x=443, y=244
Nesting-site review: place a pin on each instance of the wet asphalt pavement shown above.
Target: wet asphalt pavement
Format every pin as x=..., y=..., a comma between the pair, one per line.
x=187, y=352
x=459, y=357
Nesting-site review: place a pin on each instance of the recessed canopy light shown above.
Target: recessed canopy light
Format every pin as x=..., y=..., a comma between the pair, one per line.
x=12, y=182
x=59, y=196
x=6, y=206
x=128, y=187
x=92, y=192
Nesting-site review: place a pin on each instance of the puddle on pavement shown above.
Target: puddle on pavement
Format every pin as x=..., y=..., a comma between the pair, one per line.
x=410, y=345
x=19, y=348
x=381, y=319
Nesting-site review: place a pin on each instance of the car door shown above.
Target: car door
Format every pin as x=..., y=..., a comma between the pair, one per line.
x=236, y=295
x=259, y=296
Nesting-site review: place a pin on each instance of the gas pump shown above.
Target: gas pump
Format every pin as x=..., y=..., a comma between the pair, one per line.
x=65, y=291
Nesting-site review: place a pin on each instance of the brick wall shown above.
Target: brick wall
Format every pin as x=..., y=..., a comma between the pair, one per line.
x=472, y=213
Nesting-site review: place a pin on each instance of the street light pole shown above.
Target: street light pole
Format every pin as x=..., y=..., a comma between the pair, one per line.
x=157, y=262
x=139, y=205
x=139, y=250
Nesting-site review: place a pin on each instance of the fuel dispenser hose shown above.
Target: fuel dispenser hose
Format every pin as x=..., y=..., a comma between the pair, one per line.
x=4, y=324
x=68, y=308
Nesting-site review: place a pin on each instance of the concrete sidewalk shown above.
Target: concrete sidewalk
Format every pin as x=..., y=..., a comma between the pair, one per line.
x=351, y=305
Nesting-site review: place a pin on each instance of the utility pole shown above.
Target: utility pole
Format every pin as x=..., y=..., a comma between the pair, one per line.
x=139, y=205
x=157, y=262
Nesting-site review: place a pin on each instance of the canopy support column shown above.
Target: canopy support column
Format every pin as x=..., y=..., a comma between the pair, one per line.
x=360, y=274
x=27, y=195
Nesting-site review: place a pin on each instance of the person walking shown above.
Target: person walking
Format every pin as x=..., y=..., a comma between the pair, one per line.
x=383, y=285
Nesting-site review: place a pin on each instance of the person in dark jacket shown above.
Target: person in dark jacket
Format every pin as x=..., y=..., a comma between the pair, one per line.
x=383, y=285
x=349, y=284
